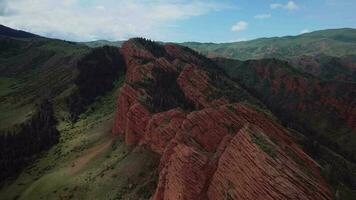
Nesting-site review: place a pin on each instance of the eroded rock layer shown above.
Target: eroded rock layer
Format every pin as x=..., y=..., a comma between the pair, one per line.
x=214, y=145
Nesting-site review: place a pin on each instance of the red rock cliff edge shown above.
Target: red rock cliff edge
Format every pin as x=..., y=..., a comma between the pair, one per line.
x=221, y=149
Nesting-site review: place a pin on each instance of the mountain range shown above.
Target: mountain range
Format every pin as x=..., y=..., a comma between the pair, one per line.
x=332, y=42
x=328, y=54
x=272, y=118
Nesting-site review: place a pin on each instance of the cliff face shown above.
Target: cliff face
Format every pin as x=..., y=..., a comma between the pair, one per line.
x=213, y=144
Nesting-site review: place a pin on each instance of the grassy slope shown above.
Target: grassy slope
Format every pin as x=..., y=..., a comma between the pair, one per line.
x=333, y=42
x=30, y=68
x=88, y=156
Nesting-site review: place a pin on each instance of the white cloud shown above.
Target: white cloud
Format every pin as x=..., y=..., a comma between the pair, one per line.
x=239, y=26
x=101, y=8
x=262, y=16
x=276, y=5
x=304, y=31
x=290, y=5
x=69, y=2
x=101, y=19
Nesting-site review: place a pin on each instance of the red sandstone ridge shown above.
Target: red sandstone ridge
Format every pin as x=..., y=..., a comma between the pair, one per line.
x=212, y=146
x=315, y=107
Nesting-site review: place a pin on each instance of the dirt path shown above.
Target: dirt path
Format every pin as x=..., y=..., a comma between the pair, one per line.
x=88, y=155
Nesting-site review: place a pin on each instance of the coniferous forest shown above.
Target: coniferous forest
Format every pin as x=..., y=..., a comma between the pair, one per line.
x=18, y=147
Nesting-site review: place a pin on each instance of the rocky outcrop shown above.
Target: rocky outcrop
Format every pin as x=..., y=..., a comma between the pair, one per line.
x=162, y=128
x=245, y=171
x=233, y=152
x=324, y=110
x=194, y=81
x=212, y=147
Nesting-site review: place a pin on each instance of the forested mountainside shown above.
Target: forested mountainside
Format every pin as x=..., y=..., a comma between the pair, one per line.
x=332, y=42
x=327, y=54
x=328, y=67
x=161, y=121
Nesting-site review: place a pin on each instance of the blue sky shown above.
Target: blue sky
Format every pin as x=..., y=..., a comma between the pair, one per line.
x=176, y=20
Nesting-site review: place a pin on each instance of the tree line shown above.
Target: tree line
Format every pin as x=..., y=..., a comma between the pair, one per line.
x=20, y=145
x=98, y=71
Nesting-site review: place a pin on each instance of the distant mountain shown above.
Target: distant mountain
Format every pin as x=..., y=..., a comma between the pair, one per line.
x=332, y=42
x=101, y=43
x=9, y=32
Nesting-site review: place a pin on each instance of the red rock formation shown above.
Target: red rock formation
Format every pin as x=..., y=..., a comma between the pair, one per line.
x=208, y=159
x=220, y=150
x=247, y=172
x=306, y=103
x=194, y=87
x=161, y=129
x=128, y=97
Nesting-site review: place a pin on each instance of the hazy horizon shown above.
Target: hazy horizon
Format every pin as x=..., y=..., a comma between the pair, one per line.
x=186, y=41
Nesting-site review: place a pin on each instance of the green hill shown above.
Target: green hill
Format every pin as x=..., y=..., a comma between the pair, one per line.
x=31, y=68
x=333, y=42
x=9, y=32
x=101, y=43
